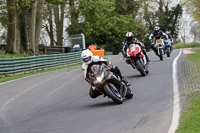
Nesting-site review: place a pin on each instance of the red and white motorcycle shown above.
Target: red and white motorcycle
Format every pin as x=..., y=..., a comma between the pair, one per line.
x=137, y=59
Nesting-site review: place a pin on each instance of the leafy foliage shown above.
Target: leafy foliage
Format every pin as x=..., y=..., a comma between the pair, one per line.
x=167, y=18
x=105, y=25
x=3, y=14
x=193, y=7
x=56, y=1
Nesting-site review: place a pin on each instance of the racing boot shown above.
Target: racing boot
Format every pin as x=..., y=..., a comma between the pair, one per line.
x=145, y=53
x=94, y=93
x=126, y=82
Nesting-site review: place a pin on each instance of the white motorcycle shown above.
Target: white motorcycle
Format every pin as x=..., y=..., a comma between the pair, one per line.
x=160, y=46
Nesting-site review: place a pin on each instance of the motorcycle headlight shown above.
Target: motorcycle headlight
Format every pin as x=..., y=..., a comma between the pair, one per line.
x=99, y=79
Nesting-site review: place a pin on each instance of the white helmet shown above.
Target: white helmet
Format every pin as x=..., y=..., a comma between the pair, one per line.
x=87, y=56
x=156, y=28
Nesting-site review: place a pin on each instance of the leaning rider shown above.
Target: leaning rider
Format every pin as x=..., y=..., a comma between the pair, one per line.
x=131, y=40
x=88, y=61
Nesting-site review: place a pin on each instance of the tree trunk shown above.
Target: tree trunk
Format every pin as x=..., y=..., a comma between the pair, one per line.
x=73, y=17
x=12, y=28
x=59, y=20
x=32, y=26
x=49, y=28
x=38, y=23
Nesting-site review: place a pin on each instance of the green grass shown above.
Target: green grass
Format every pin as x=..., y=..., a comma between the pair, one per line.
x=7, y=55
x=195, y=58
x=186, y=45
x=190, y=116
x=4, y=79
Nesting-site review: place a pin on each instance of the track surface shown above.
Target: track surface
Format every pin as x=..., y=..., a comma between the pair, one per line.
x=58, y=102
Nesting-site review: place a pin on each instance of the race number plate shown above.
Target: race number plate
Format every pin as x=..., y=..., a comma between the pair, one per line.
x=132, y=48
x=159, y=41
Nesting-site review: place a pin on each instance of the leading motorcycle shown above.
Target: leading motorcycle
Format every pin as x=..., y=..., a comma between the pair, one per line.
x=137, y=59
x=159, y=46
x=109, y=84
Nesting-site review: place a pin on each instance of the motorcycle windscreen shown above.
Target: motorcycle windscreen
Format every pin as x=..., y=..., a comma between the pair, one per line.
x=134, y=49
x=96, y=69
x=168, y=43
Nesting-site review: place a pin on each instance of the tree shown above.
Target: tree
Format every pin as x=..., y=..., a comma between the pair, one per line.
x=193, y=7
x=166, y=17
x=75, y=26
x=3, y=13
x=12, y=27
x=59, y=20
x=24, y=25
x=54, y=21
x=104, y=24
x=195, y=32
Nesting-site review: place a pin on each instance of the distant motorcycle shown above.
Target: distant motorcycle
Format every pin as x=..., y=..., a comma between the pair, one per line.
x=168, y=47
x=109, y=84
x=137, y=59
x=159, y=46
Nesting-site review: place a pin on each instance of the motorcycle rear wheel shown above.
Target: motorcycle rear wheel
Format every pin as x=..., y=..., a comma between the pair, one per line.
x=112, y=92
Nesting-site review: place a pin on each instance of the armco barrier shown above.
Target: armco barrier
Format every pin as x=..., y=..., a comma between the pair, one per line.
x=108, y=53
x=11, y=66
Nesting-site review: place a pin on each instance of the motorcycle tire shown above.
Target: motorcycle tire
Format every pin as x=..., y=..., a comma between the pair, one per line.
x=140, y=68
x=129, y=94
x=161, y=53
x=112, y=92
x=168, y=52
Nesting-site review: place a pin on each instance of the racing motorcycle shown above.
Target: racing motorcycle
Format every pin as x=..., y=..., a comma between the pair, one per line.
x=137, y=59
x=168, y=47
x=159, y=46
x=109, y=84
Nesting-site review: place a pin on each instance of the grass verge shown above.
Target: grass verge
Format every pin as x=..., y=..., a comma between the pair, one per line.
x=4, y=79
x=190, y=116
x=186, y=45
x=7, y=55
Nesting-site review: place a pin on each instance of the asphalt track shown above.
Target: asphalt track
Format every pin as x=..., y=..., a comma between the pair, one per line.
x=58, y=102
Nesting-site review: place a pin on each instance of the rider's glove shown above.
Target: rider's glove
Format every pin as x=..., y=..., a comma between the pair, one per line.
x=108, y=67
x=144, y=50
x=125, y=55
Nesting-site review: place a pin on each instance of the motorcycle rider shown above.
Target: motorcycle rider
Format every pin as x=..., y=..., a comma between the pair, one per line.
x=88, y=61
x=131, y=40
x=170, y=38
x=156, y=34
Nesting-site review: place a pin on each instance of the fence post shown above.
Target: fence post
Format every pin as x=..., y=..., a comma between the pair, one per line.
x=83, y=36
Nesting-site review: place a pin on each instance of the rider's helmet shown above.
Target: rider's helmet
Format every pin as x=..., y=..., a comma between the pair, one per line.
x=129, y=36
x=87, y=56
x=156, y=29
x=167, y=32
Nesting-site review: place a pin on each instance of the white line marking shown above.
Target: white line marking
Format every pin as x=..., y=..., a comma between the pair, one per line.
x=176, y=103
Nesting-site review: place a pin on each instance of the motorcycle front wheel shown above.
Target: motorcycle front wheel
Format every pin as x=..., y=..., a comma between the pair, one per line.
x=168, y=52
x=112, y=92
x=161, y=53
